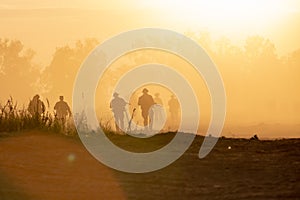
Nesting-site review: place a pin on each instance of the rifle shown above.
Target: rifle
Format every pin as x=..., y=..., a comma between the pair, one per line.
x=130, y=121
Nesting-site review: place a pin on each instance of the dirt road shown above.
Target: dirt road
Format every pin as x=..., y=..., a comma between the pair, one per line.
x=38, y=165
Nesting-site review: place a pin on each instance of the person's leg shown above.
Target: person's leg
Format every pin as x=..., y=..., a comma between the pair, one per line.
x=117, y=127
x=151, y=115
x=145, y=116
x=117, y=122
x=121, y=120
x=63, y=121
x=60, y=120
x=172, y=121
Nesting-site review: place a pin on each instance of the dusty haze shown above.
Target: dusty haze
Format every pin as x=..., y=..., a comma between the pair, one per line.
x=258, y=59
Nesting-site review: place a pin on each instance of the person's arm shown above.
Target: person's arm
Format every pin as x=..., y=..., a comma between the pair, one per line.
x=124, y=102
x=55, y=109
x=69, y=110
x=152, y=101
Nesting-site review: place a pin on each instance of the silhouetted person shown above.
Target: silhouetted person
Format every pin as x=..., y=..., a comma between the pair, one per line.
x=118, y=108
x=146, y=101
x=157, y=99
x=158, y=110
x=36, y=107
x=173, y=109
x=62, y=110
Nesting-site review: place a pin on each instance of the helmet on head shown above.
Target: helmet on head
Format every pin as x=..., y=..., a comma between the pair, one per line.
x=36, y=96
x=145, y=90
x=116, y=94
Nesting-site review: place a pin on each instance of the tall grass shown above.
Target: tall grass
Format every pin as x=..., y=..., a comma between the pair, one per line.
x=14, y=119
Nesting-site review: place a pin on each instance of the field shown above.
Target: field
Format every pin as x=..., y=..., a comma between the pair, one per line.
x=45, y=165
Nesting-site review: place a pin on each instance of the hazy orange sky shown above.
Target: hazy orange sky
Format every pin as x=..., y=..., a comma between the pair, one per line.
x=48, y=24
x=54, y=23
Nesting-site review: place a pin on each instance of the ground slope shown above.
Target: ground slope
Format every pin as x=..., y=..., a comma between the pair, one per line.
x=38, y=165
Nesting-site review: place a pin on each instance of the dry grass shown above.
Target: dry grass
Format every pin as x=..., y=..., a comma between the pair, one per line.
x=15, y=119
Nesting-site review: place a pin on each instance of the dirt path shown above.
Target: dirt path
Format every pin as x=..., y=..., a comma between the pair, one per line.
x=47, y=166
x=37, y=165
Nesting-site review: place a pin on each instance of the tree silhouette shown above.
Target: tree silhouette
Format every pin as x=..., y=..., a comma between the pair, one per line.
x=260, y=85
x=257, y=46
x=18, y=73
x=60, y=75
x=292, y=71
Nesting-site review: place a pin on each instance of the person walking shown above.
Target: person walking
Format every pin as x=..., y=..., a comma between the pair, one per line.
x=36, y=107
x=145, y=102
x=174, y=110
x=118, y=108
x=62, y=110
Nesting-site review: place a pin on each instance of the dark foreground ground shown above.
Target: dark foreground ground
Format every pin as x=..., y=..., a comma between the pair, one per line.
x=38, y=165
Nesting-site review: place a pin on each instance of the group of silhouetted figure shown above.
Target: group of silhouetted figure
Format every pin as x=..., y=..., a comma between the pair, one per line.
x=146, y=103
x=62, y=110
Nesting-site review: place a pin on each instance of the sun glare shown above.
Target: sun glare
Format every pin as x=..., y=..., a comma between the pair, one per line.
x=229, y=13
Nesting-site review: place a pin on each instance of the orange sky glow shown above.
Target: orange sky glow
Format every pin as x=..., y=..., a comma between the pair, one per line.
x=259, y=94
